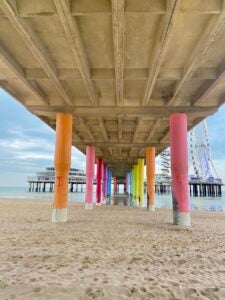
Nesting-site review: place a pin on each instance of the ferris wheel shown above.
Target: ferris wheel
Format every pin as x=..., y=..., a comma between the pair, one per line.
x=200, y=152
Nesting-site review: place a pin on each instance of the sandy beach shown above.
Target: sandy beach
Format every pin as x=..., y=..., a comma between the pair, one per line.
x=112, y=252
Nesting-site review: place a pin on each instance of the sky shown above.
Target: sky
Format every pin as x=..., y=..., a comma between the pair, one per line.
x=27, y=144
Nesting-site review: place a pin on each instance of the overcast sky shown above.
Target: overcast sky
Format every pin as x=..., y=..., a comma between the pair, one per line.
x=27, y=144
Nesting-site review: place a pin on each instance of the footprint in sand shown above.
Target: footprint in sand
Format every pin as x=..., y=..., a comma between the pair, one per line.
x=94, y=293
x=37, y=289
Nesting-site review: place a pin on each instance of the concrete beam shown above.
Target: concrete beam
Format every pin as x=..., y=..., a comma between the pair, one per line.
x=137, y=129
x=144, y=112
x=200, y=51
x=119, y=145
x=76, y=46
x=160, y=48
x=87, y=130
x=103, y=130
x=120, y=129
x=118, y=23
x=18, y=71
x=34, y=45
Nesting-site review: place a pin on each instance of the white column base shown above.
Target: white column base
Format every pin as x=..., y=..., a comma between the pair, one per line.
x=59, y=215
x=151, y=207
x=183, y=219
x=88, y=206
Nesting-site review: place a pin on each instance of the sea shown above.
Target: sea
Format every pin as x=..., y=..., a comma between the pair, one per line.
x=162, y=201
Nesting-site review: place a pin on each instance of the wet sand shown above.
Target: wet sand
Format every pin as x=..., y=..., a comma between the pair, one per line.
x=112, y=252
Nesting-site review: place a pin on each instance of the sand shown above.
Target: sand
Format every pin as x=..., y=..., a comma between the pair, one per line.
x=112, y=252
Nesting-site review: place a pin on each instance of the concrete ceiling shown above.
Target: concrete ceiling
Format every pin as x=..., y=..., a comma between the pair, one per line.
x=120, y=66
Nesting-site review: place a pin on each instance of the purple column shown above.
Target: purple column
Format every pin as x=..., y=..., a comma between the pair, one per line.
x=99, y=180
x=103, y=186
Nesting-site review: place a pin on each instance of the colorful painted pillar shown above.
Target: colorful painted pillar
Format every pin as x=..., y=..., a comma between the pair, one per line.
x=105, y=180
x=150, y=173
x=102, y=193
x=137, y=184
x=131, y=182
x=109, y=183
x=141, y=180
x=62, y=161
x=114, y=185
x=99, y=181
x=127, y=183
x=179, y=169
x=90, y=170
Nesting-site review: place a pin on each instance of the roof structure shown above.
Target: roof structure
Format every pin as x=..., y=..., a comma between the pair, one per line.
x=121, y=67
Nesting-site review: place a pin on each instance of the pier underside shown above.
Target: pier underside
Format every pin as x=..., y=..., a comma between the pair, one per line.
x=119, y=67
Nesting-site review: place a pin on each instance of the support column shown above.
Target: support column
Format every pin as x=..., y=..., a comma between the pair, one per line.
x=133, y=182
x=105, y=181
x=62, y=163
x=136, y=184
x=141, y=180
x=90, y=170
x=102, y=183
x=127, y=183
x=109, y=183
x=150, y=172
x=114, y=185
x=99, y=181
x=179, y=169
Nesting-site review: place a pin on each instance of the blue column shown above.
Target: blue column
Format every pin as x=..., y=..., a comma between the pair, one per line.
x=109, y=183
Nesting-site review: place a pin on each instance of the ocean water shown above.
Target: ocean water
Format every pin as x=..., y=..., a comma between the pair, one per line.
x=162, y=201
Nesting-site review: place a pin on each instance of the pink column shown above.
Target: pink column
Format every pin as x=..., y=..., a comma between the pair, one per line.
x=102, y=183
x=90, y=170
x=99, y=180
x=179, y=169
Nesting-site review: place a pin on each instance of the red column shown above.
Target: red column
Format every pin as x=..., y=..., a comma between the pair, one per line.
x=99, y=180
x=179, y=169
x=90, y=170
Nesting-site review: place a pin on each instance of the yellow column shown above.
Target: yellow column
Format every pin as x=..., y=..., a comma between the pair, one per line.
x=150, y=172
x=62, y=163
x=141, y=180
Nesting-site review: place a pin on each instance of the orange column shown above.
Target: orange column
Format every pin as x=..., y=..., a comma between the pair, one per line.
x=150, y=170
x=114, y=185
x=62, y=163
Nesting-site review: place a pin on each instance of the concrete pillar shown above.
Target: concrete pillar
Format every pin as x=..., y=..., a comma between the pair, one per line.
x=136, y=184
x=141, y=180
x=62, y=163
x=105, y=180
x=150, y=172
x=131, y=183
x=102, y=184
x=90, y=170
x=109, y=182
x=114, y=185
x=99, y=181
x=127, y=183
x=179, y=169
